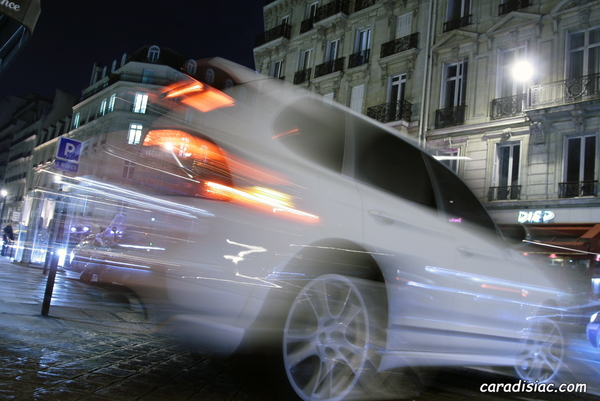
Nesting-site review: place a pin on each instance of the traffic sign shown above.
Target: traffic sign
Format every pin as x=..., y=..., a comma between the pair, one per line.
x=68, y=149
x=66, y=165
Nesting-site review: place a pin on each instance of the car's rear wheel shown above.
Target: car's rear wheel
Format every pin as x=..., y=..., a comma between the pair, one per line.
x=332, y=340
x=542, y=356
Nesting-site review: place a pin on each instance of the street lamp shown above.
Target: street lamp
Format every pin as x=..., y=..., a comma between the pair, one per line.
x=522, y=71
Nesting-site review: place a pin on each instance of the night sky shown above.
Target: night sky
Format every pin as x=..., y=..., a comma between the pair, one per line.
x=71, y=35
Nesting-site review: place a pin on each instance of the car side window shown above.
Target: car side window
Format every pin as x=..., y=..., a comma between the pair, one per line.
x=313, y=129
x=390, y=163
x=457, y=200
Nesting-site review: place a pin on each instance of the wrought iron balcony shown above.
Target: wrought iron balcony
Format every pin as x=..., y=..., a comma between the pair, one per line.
x=332, y=8
x=362, y=4
x=359, y=58
x=307, y=25
x=458, y=23
x=512, y=192
x=450, y=117
x=399, y=45
x=574, y=189
x=302, y=76
x=329, y=67
x=563, y=92
x=513, y=5
x=127, y=77
x=280, y=31
x=509, y=106
x=393, y=111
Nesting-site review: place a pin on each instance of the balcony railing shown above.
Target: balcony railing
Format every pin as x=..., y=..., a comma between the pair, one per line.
x=512, y=192
x=332, y=8
x=399, y=45
x=512, y=5
x=450, y=117
x=329, y=67
x=458, y=23
x=359, y=58
x=574, y=189
x=307, y=25
x=302, y=76
x=509, y=106
x=393, y=111
x=280, y=31
x=566, y=91
x=362, y=4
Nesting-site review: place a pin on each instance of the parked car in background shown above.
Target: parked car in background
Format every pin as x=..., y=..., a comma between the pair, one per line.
x=262, y=214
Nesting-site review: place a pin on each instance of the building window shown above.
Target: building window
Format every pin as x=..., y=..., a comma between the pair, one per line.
x=452, y=101
x=135, y=134
x=455, y=83
x=509, y=86
x=363, y=40
x=76, y=120
x=147, y=76
x=285, y=20
x=404, y=25
x=311, y=10
x=277, y=69
x=111, y=102
x=140, y=102
x=397, y=88
x=508, y=159
x=191, y=67
x=102, y=110
x=128, y=169
x=153, y=53
x=458, y=14
x=584, y=53
x=331, y=51
x=449, y=158
x=580, y=167
x=305, y=57
x=356, y=99
x=210, y=76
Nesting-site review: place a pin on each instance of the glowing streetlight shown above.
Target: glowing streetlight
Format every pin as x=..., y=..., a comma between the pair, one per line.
x=522, y=71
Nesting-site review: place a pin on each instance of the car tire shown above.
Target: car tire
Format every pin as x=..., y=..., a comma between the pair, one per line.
x=543, y=353
x=332, y=342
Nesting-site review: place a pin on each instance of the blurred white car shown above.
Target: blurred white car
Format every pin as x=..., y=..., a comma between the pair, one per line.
x=260, y=213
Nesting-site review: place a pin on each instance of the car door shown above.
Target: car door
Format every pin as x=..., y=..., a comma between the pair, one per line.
x=401, y=226
x=489, y=292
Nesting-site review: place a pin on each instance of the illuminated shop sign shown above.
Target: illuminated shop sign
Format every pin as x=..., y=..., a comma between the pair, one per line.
x=10, y=5
x=536, y=216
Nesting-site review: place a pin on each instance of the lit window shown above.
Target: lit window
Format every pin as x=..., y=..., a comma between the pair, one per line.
x=76, y=120
x=135, y=134
x=111, y=102
x=140, y=102
x=102, y=110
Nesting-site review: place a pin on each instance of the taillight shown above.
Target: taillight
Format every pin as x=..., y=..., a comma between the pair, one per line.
x=263, y=199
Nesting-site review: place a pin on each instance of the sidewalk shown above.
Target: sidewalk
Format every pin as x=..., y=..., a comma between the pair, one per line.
x=74, y=305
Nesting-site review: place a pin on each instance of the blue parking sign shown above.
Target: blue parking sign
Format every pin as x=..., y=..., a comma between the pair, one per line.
x=68, y=149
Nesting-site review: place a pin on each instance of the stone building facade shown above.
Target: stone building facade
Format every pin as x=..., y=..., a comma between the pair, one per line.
x=444, y=72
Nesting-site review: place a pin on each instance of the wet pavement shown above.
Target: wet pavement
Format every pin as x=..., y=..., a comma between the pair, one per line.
x=96, y=344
